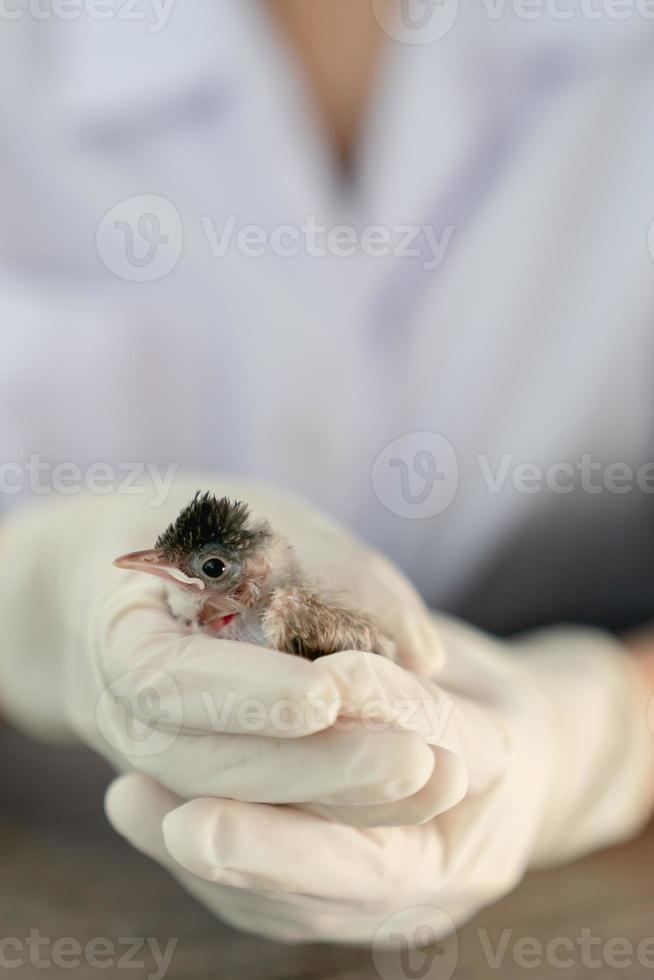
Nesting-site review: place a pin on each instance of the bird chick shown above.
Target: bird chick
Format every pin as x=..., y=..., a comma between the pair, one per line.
x=238, y=579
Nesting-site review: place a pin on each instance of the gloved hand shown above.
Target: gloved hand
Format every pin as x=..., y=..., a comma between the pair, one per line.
x=91, y=650
x=549, y=733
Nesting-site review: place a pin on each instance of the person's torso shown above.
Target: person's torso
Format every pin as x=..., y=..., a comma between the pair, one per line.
x=178, y=290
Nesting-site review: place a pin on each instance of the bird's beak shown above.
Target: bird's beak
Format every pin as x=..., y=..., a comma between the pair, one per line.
x=153, y=562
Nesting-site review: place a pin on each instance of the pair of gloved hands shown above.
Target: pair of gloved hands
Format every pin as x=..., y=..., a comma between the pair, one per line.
x=318, y=801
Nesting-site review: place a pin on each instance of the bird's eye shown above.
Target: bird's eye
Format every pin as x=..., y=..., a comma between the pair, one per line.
x=213, y=568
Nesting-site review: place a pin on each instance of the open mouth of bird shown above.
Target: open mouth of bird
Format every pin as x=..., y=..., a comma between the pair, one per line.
x=215, y=621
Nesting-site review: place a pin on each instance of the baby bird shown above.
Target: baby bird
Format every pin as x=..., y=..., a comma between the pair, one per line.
x=238, y=579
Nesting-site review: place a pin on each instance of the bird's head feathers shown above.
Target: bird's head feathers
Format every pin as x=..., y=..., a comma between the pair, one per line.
x=209, y=520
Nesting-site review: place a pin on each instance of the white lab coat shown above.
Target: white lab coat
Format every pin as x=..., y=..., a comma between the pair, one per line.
x=531, y=341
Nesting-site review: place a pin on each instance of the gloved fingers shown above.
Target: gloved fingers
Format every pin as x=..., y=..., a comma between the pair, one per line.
x=286, y=852
x=136, y=807
x=204, y=684
x=178, y=684
x=352, y=767
x=446, y=787
x=375, y=689
x=381, y=692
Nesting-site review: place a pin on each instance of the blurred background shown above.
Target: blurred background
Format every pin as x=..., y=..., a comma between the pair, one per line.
x=394, y=255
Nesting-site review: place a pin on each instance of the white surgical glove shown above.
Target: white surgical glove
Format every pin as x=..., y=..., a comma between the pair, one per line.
x=92, y=651
x=549, y=734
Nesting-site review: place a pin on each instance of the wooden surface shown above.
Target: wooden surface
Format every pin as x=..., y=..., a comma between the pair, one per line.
x=64, y=872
